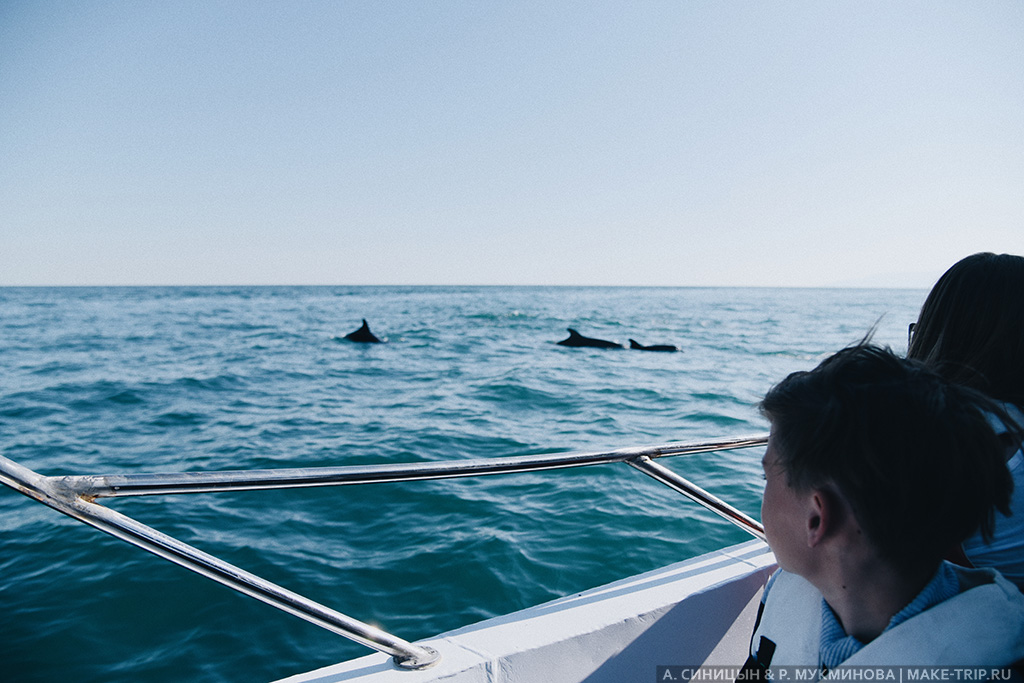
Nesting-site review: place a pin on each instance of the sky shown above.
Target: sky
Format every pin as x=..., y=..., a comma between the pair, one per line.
x=682, y=143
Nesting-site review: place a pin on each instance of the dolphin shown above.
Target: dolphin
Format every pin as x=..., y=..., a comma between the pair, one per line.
x=363, y=335
x=633, y=344
x=577, y=339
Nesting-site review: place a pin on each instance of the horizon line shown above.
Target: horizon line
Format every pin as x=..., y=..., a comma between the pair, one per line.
x=418, y=285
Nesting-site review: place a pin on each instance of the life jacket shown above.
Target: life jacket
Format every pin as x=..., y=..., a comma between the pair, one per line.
x=981, y=626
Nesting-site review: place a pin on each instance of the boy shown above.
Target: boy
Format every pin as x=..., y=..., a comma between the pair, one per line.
x=875, y=469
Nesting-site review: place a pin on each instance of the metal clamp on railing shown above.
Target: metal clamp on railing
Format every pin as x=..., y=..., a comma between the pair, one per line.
x=75, y=496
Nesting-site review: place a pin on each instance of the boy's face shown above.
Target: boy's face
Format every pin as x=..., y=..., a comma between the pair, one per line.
x=783, y=513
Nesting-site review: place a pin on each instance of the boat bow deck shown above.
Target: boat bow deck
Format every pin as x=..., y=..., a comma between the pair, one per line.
x=699, y=612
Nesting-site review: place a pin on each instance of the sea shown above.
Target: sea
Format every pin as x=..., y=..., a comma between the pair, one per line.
x=180, y=379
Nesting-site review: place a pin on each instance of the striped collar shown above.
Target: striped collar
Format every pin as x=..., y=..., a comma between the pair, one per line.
x=836, y=646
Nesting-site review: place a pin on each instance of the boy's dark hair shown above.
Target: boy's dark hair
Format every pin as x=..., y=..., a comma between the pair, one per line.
x=912, y=453
x=971, y=327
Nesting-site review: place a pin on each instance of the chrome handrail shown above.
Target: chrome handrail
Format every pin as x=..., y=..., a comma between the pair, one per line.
x=75, y=496
x=112, y=485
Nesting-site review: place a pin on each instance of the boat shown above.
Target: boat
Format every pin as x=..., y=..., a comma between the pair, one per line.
x=667, y=624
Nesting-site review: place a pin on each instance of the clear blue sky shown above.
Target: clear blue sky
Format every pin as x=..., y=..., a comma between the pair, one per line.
x=421, y=142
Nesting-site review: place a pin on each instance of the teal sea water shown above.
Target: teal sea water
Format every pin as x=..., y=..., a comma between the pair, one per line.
x=109, y=380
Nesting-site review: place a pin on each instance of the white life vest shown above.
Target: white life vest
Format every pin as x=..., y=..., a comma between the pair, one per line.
x=981, y=626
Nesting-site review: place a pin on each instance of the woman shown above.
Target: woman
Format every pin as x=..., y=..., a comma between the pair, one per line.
x=971, y=330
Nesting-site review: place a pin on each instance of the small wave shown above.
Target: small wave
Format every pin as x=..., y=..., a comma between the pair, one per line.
x=176, y=419
x=89, y=396
x=126, y=397
x=31, y=411
x=58, y=368
x=519, y=397
x=215, y=383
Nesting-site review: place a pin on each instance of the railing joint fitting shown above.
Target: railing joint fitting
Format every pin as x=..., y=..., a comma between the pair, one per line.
x=413, y=663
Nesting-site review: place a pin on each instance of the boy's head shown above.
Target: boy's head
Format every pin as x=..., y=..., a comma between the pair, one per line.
x=912, y=455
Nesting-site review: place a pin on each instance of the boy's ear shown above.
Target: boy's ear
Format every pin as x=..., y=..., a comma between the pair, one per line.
x=824, y=512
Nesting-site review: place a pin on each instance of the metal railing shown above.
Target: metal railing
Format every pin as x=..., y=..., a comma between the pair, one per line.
x=75, y=496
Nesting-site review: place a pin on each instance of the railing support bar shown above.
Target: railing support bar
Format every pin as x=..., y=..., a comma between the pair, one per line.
x=698, y=495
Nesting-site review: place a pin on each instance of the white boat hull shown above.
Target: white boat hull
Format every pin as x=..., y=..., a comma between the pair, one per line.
x=699, y=612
